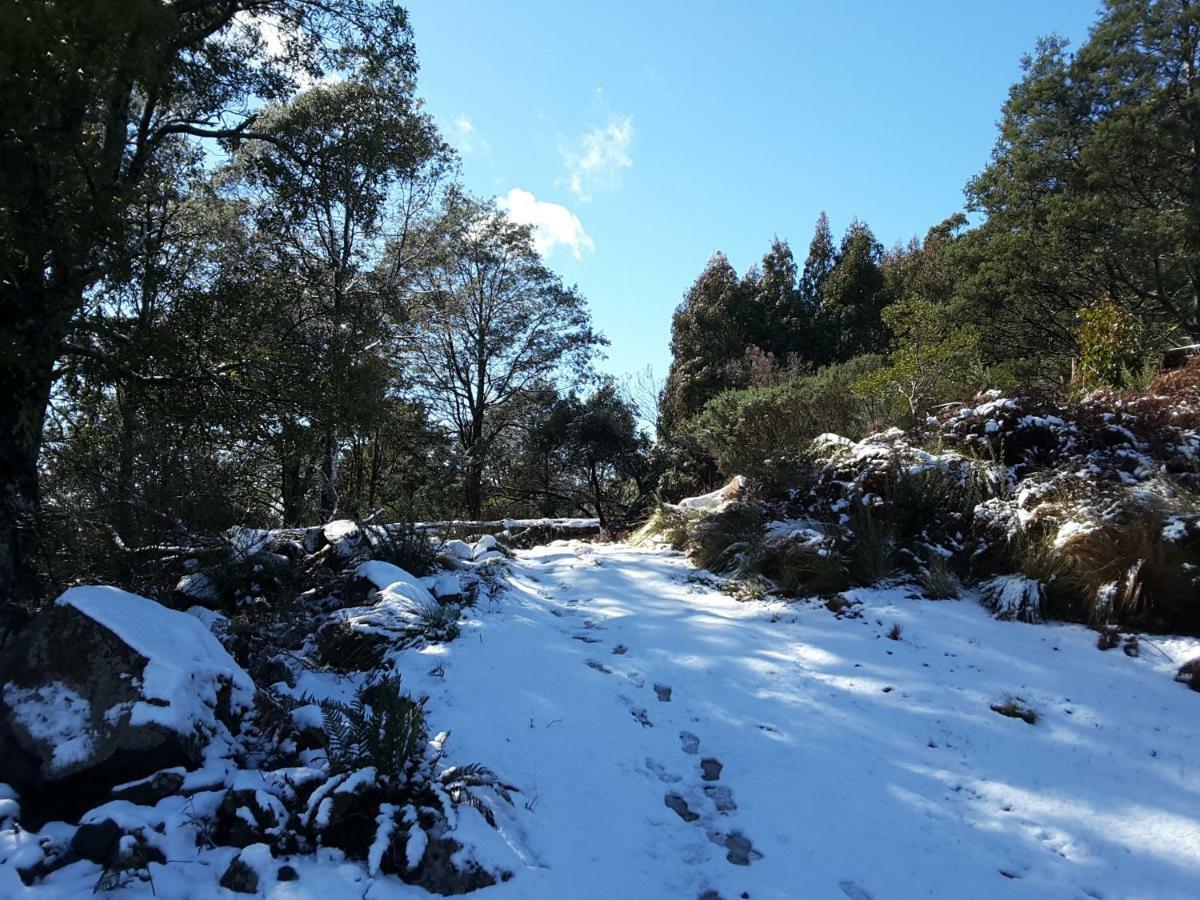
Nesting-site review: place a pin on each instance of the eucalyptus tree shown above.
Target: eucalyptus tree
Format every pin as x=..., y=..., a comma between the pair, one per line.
x=488, y=323
x=351, y=166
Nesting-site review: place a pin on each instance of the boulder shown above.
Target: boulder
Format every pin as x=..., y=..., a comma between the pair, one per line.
x=344, y=536
x=1189, y=673
x=106, y=687
x=240, y=878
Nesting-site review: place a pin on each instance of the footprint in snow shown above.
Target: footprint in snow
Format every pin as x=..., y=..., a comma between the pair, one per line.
x=663, y=692
x=678, y=805
x=689, y=743
x=853, y=891
x=599, y=666
x=710, y=769
x=741, y=849
x=586, y=638
x=643, y=719
x=638, y=680
x=722, y=798
x=620, y=650
x=661, y=771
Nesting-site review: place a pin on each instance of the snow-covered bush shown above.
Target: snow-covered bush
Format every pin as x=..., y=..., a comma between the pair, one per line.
x=1013, y=597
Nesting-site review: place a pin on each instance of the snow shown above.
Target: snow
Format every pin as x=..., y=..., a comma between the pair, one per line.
x=712, y=500
x=850, y=765
x=843, y=787
x=57, y=715
x=457, y=549
x=185, y=666
x=385, y=824
x=395, y=583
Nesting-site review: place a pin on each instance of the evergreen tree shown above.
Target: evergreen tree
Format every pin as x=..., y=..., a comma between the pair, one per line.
x=1092, y=194
x=781, y=324
x=822, y=256
x=708, y=333
x=853, y=296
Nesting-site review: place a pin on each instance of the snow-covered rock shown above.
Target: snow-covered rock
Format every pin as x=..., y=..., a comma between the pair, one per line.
x=457, y=549
x=107, y=686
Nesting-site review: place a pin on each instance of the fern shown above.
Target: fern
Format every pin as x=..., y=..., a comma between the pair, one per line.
x=381, y=728
x=457, y=782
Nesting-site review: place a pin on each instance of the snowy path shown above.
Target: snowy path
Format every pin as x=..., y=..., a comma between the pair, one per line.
x=671, y=741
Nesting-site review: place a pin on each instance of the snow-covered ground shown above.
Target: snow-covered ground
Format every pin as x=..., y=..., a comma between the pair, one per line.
x=671, y=741
x=856, y=765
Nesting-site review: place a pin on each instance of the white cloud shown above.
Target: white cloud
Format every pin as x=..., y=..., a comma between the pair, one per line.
x=553, y=223
x=466, y=138
x=599, y=157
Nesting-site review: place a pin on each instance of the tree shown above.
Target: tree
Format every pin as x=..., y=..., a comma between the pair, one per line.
x=107, y=88
x=1093, y=191
x=350, y=165
x=779, y=322
x=822, y=255
x=853, y=296
x=933, y=358
x=707, y=334
x=488, y=324
x=593, y=445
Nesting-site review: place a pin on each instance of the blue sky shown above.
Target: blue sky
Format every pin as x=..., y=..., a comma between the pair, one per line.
x=642, y=137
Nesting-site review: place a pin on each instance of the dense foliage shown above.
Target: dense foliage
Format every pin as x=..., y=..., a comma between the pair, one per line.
x=1081, y=267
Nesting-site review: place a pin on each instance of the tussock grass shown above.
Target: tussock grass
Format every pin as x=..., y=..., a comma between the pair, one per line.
x=1112, y=565
x=871, y=547
x=937, y=579
x=804, y=569
x=729, y=539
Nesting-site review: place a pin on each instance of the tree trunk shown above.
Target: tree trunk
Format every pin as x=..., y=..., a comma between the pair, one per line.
x=33, y=323
x=473, y=486
x=329, y=476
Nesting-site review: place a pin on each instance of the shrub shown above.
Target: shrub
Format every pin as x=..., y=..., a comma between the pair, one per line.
x=1110, y=346
x=1016, y=708
x=1013, y=597
x=439, y=623
x=667, y=525
x=937, y=579
x=343, y=649
x=401, y=545
x=719, y=541
x=763, y=433
x=804, y=569
x=871, y=546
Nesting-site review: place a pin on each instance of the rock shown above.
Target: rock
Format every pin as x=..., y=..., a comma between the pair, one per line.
x=344, y=536
x=438, y=874
x=459, y=550
x=240, y=878
x=149, y=791
x=106, y=687
x=248, y=817
x=97, y=842
x=486, y=544
x=196, y=587
x=1189, y=673
x=445, y=587
x=313, y=540
x=287, y=873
